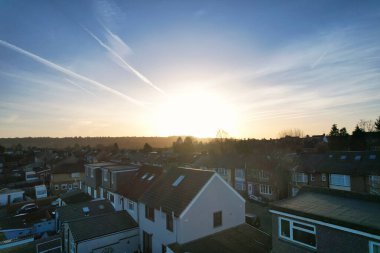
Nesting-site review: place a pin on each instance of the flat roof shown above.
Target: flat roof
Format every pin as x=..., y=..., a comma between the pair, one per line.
x=347, y=209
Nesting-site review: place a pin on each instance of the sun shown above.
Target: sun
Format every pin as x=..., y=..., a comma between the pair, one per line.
x=195, y=112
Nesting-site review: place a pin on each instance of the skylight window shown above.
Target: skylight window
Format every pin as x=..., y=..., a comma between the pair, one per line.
x=145, y=175
x=151, y=177
x=178, y=180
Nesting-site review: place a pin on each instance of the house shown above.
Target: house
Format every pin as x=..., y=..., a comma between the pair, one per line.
x=93, y=178
x=110, y=232
x=133, y=187
x=51, y=244
x=240, y=239
x=184, y=205
x=349, y=171
x=8, y=196
x=69, y=213
x=326, y=220
x=73, y=197
x=66, y=175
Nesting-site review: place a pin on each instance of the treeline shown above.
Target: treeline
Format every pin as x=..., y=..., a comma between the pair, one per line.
x=61, y=143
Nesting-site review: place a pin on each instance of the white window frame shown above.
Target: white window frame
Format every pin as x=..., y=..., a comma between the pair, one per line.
x=63, y=186
x=131, y=205
x=312, y=178
x=323, y=177
x=346, y=185
x=91, y=172
x=300, y=177
x=69, y=186
x=266, y=189
x=292, y=226
x=372, y=245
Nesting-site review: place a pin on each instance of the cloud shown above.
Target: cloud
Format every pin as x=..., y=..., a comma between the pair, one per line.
x=70, y=73
x=80, y=87
x=121, y=62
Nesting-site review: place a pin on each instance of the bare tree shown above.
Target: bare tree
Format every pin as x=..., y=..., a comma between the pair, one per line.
x=367, y=125
x=295, y=132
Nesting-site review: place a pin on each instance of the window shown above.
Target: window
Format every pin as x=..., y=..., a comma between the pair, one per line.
x=374, y=247
x=131, y=205
x=75, y=174
x=263, y=175
x=374, y=185
x=70, y=186
x=340, y=182
x=56, y=187
x=75, y=185
x=300, y=177
x=105, y=176
x=239, y=173
x=169, y=222
x=149, y=213
x=265, y=189
x=112, y=198
x=240, y=186
x=217, y=219
x=222, y=171
x=151, y=177
x=113, y=178
x=358, y=157
x=297, y=232
x=145, y=175
x=178, y=180
x=323, y=177
x=63, y=186
x=312, y=178
x=372, y=157
x=343, y=157
x=92, y=172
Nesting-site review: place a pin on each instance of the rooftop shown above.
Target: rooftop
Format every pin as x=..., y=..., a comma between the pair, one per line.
x=241, y=239
x=162, y=194
x=73, y=197
x=75, y=211
x=109, y=223
x=347, y=209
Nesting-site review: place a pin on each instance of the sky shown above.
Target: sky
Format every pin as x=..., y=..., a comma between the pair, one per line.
x=164, y=68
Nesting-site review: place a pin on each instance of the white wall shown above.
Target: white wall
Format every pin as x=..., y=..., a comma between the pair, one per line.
x=132, y=212
x=197, y=222
x=158, y=228
x=13, y=195
x=126, y=241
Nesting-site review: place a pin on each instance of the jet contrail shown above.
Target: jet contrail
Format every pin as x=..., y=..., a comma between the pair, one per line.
x=69, y=72
x=80, y=87
x=125, y=64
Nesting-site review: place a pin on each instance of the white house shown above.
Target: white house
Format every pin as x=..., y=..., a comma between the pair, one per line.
x=187, y=204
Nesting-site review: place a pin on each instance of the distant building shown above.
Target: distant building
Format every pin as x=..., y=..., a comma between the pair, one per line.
x=325, y=220
x=349, y=171
x=66, y=176
x=8, y=196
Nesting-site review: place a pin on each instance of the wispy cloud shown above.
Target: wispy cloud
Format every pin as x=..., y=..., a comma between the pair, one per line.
x=69, y=72
x=120, y=60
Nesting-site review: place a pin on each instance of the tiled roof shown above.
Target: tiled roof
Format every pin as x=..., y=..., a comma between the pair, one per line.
x=134, y=186
x=162, y=194
x=75, y=211
x=241, y=239
x=351, y=163
x=348, y=209
x=68, y=166
x=102, y=225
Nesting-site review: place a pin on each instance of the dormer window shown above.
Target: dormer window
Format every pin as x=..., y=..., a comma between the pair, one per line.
x=178, y=180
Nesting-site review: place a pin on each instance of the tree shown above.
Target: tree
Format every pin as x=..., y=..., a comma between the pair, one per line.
x=343, y=132
x=334, y=130
x=358, y=140
x=147, y=148
x=366, y=125
x=377, y=124
x=295, y=132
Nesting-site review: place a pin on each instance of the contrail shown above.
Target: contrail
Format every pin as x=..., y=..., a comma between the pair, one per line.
x=69, y=72
x=125, y=64
x=80, y=87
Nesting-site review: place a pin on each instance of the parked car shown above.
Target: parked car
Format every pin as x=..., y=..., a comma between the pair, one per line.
x=252, y=219
x=28, y=208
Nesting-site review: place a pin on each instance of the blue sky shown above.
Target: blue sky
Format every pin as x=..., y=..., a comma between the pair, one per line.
x=159, y=68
